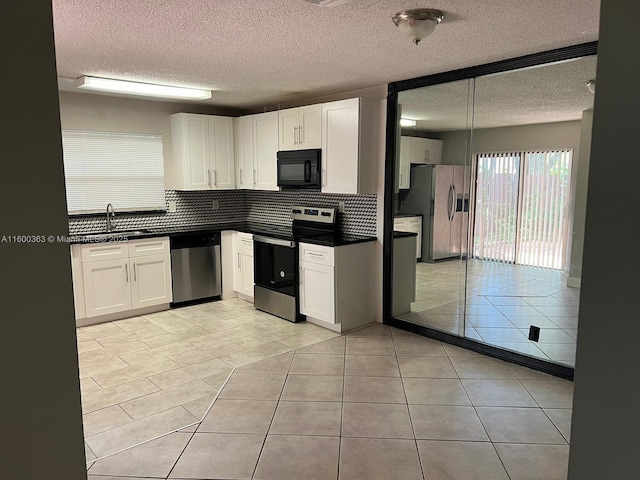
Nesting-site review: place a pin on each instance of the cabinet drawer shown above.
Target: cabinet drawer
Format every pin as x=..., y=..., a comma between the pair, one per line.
x=148, y=246
x=246, y=240
x=316, y=254
x=95, y=252
x=399, y=224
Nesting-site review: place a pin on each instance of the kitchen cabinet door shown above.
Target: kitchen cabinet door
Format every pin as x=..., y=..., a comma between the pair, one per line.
x=265, y=150
x=243, y=143
x=414, y=224
x=310, y=126
x=405, y=163
x=418, y=150
x=288, y=124
x=317, y=291
x=434, y=151
x=150, y=280
x=203, y=156
x=221, y=163
x=350, y=140
x=106, y=287
x=243, y=263
x=190, y=141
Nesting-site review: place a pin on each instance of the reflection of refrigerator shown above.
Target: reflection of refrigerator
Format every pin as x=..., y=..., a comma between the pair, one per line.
x=441, y=194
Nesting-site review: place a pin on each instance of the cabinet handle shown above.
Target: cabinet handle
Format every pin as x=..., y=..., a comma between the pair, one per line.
x=134, y=272
x=315, y=254
x=126, y=272
x=209, y=178
x=300, y=134
x=295, y=135
x=215, y=178
x=238, y=259
x=428, y=154
x=241, y=182
x=255, y=173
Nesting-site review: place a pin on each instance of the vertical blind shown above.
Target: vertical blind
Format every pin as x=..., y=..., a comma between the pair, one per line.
x=123, y=169
x=544, y=218
x=522, y=207
x=496, y=211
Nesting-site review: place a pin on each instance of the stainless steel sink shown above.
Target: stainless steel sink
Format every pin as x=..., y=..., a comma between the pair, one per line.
x=114, y=234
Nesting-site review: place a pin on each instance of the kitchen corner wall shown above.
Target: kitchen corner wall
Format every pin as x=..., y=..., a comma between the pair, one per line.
x=196, y=208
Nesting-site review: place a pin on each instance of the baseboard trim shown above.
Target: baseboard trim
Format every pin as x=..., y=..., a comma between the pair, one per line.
x=534, y=363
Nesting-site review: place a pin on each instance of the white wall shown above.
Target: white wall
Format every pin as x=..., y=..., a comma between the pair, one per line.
x=543, y=136
x=580, y=182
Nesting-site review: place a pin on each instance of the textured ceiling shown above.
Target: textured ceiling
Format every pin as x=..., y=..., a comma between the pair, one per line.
x=257, y=54
x=550, y=93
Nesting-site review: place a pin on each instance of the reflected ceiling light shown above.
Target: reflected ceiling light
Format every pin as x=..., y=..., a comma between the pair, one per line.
x=418, y=23
x=144, y=89
x=591, y=85
x=405, y=122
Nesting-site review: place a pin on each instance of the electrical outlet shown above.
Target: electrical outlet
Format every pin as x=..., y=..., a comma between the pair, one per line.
x=341, y=207
x=172, y=206
x=215, y=204
x=534, y=333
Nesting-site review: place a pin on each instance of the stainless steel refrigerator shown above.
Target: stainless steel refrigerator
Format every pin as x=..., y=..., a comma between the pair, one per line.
x=441, y=194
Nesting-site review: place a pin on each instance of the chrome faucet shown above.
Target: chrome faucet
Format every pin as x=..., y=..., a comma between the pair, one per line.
x=110, y=214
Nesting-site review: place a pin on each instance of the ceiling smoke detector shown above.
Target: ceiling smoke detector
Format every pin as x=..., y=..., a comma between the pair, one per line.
x=418, y=23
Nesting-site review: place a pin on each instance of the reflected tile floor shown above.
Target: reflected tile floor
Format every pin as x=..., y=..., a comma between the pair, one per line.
x=430, y=411
x=503, y=301
x=144, y=376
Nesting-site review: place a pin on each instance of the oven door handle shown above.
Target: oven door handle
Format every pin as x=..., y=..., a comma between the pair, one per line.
x=274, y=241
x=307, y=170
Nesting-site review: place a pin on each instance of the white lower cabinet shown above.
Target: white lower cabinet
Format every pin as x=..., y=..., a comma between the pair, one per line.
x=243, y=263
x=410, y=224
x=317, y=291
x=150, y=280
x=139, y=278
x=336, y=285
x=106, y=287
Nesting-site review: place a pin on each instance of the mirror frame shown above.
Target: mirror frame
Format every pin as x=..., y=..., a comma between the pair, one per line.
x=526, y=61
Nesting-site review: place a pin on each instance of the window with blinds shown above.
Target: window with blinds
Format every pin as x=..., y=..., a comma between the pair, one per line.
x=123, y=169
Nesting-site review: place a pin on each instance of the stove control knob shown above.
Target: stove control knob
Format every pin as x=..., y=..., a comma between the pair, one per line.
x=282, y=273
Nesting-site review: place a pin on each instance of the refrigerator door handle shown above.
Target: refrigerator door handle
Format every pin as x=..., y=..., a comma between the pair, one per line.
x=449, y=203
x=454, y=200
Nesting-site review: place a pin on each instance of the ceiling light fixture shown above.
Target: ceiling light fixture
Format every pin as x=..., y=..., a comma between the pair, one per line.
x=418, y=23
x=144, y=89
x=406, y=122
x=591, y=85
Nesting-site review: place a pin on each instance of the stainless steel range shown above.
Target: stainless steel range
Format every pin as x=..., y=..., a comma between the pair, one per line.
x=276, y=261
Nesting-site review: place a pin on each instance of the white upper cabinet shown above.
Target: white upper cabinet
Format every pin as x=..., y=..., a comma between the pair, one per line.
x=349, y=146
x=425, y=150
x=243, y=143
x=203, y=157
x=405, y=163
x=300, y=128
x=265, y=151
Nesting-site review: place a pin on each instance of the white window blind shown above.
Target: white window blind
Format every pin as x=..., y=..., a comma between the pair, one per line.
x=123, y=169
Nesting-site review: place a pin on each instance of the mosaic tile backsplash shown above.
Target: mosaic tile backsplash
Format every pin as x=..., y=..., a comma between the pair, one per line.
x=196, y=208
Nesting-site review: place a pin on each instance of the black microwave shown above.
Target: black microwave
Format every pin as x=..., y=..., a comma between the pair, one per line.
x=299, y=168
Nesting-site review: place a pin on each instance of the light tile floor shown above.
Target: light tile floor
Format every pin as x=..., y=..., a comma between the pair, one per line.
x=378, y=403
x=503, y=300
x=144, y=376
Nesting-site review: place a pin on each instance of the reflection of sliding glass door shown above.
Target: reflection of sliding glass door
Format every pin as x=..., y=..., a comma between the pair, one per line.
x=496, y=206
x=522, y=211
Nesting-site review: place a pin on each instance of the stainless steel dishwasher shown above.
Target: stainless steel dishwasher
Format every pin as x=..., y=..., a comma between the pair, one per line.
x=196, y=271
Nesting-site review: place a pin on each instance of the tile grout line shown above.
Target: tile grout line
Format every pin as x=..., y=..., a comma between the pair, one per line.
x=344, y=380
x=275, y=410
x=415, y=440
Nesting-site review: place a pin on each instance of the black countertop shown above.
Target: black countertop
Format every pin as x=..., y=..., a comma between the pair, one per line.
x=268, y=230
x=403, y=215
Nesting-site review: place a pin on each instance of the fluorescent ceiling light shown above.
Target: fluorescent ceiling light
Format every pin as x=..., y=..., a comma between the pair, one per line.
x=144, y=89
x=405, y=122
